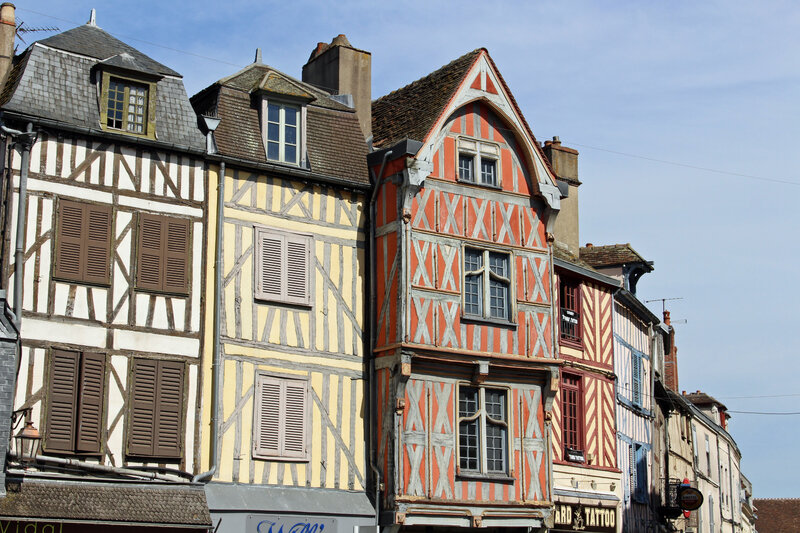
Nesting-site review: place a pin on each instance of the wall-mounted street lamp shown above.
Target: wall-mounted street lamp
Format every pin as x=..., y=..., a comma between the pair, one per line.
x=28, y=440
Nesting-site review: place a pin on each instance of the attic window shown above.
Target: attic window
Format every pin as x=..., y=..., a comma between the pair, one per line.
x=127, y=105
x=282, y=139
x=478, y=162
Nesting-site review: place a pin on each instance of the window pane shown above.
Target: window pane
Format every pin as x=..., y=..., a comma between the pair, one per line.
x=498, y=263
x=273, y=132
x=290, y=154
x=467, y=401
x=488, y=174
x=290, y=133
x=498, y=298
x=465, y=170
x=290, y=115
x=473, y=260
x=273, y=113
x=468, y=439
x=496, y=404
x=473, y=294
x=495, y=447
x=273, y=151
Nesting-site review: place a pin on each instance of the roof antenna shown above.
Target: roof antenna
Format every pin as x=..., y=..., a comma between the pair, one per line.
x=92, y=18
x=258, y=56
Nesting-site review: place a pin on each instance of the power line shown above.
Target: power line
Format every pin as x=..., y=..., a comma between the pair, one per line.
x=764, y=413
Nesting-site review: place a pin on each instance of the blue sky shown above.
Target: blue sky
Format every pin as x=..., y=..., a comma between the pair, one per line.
x=692, y=84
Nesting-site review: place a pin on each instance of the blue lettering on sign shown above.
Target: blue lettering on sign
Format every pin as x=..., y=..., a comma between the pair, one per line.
x=299, y=527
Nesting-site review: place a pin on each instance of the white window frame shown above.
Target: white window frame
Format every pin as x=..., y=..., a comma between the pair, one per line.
x=280, y=268
x=478, y=151
x=300, y=159
x=486, y=276
x=481, y=416
x=282, y=383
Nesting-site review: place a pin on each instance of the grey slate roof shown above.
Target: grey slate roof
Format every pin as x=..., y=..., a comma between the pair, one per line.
x=335, y=143
x=48, y=83
x=106, y=502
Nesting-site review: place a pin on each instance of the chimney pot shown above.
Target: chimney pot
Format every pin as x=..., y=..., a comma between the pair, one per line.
x=556, y=139
x=589, y=245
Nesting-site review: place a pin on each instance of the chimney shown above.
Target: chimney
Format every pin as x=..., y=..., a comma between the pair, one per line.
x=8, y=32
x=564, y=162
x=339, y=68
x=670, y=357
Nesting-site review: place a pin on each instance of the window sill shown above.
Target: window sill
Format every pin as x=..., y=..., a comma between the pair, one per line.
x=163, y=293
x=280, y=459
x=572, y=343
x=496, y=477
x=477, y=184
x=103, y=284
x=261, y=300
x=475, y=319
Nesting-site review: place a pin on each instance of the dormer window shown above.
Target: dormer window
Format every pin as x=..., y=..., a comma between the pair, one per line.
x=127, y=106
x=282, y=136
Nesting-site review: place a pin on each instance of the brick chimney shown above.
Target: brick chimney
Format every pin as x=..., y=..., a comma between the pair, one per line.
x=565, y=165
x=341, y=69
x=670, y=357
x=8, y=32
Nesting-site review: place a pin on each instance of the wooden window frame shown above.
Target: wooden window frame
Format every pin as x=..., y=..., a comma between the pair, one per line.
x=300, y=160
x=573, y=285
x=161, y=278
x=487, y=275
x=577, y=389
x=74, y=425
x=636, y=380
x=483, y=420
x=478, y=151
x=91, y=250
x=269, y=273
x=267, y=409
x=155, y=429
x=150, y=113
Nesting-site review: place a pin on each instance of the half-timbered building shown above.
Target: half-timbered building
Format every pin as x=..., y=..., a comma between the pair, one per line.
x=285, y=400
x=462, y=334
x=634, y=332
x=103, y=225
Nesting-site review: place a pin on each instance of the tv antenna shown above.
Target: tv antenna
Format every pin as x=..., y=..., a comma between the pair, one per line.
x=22, y=30
x=663, y=302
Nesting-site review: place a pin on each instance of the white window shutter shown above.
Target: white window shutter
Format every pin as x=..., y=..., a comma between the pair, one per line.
x=294, y=431
x=298, y=250
x=270, y=284
x=268, y=417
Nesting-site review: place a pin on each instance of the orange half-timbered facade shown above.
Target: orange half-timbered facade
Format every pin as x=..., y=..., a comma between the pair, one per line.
x=462, y=325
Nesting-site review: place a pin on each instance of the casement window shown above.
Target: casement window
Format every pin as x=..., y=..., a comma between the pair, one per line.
x=83, y=242
x=478, y=162
x=487, y=284
x=75, y=397
x=162, y=253
x=282, y=266
x=638, y=472
x=280, y=418
x=155, y=415
x=569, y=294
x=127, y=105
x=571, y=414
x=636, y=379
x=282, y=132
x=708, y=457
x=482, y=430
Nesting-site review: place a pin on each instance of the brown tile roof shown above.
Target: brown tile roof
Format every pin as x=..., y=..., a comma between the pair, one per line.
x=411, y=111
x=106, y=502
x=610, y=255
x=335, y=143
x=777, y=515
x=701, y=398
x=564, y=254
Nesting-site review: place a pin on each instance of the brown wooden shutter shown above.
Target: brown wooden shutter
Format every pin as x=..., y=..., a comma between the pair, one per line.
x=61, y=397
x=90, y=403
x=294, y=418
x=271, y=261
x=297, y=259
x=150, y=252
x=267, y=417
x=169, y=409
x=176, y=253
x=97, y=220
x=69, y=241
x=142, y=411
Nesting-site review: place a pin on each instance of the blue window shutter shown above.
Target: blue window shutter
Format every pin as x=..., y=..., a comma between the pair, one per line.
x=636, y=379
x=641, y=474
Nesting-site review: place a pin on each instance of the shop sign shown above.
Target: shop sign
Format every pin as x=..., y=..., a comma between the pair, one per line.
x=288, y=524
x=7, y=526
x=689, y=498
x=585, y=518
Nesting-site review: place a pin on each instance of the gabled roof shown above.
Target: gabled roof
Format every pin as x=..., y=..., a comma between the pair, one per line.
x=334, y=141
x=410, y=112
x=91, y=41
x=610, y=255
x=777, y=515
x=700, y=398
x=53, y=81
x=562, y=258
